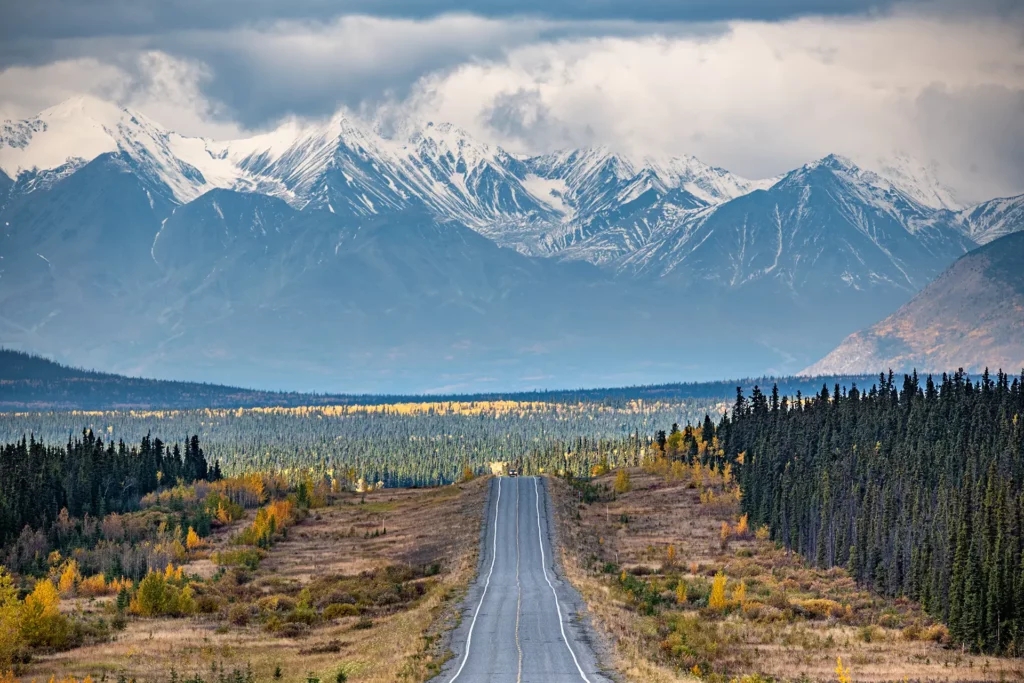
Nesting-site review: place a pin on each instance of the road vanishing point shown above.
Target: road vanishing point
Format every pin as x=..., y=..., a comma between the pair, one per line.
x=519, y=620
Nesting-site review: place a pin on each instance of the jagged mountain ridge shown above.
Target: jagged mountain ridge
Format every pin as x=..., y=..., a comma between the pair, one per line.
x=334, y=242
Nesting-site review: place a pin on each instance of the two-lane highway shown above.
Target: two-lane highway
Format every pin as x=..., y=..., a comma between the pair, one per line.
x=518, y=624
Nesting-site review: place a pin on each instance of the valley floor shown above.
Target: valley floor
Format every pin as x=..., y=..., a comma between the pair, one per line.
x=646, y=559
x=406, y=584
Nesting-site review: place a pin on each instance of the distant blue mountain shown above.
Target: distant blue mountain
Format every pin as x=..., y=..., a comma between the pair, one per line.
x=328, y=257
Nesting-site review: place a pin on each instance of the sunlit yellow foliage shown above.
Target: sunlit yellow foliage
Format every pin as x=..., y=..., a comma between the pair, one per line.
x=42, y=624
x=842, y=674
x=94, y=585
x=762, y=533
x=192, y=540
x=117, y=585
x=222, y=513
x=725, y=531
x=716, y=601
x=681, y=593
x=622, y=482
x=671, y=554
x=12, y=642
x=69, y=578
x=742, y=527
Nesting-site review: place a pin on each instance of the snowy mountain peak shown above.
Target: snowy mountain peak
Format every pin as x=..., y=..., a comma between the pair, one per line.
x=915, y=179
x=87, y=107
x=82, y=128
x=709, y=183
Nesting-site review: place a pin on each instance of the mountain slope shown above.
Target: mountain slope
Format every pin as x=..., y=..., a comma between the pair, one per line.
x=992, y=219
x=828, y=224
x=971, y=317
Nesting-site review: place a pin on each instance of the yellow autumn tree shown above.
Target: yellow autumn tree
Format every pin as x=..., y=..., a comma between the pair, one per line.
x=681, y=593
x=223, y=516
x=717, y=599
x=192, y=540
x=69, y=579
x=622, y=482
x=12, y=643
x=742, y=527
x=42, y=624
x=152, y=597
x=843, y=675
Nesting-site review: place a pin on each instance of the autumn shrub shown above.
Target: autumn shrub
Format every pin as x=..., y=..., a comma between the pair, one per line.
x=692, y=641
x=245, y=558
x=338, y=611
x=94, y=586
x=240, y=614
x=819, y=608
x=276, y=603
x=937, y=633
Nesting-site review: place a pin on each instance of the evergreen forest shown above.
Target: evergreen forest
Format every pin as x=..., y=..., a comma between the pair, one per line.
x=917, y=488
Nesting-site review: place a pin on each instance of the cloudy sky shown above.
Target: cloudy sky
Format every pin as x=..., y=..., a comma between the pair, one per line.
x=755, y=86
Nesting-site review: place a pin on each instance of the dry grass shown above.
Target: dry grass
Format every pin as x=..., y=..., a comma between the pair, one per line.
x=784, y=629
x=424, y=527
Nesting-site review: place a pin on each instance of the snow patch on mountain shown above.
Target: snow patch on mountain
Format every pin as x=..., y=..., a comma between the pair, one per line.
x=993, y=219
x=913, y=178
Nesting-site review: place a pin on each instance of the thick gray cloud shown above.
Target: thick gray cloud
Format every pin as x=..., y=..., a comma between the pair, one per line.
x=49, y=19
x=755, y=86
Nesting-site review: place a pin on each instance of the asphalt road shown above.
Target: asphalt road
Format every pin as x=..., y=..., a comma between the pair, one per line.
x=519, y=620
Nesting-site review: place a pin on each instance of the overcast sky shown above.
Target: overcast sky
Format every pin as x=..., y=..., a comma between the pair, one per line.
x=755, y=86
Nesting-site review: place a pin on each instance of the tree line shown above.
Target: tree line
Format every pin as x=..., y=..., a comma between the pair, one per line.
x=88, y=478
x=918, y=489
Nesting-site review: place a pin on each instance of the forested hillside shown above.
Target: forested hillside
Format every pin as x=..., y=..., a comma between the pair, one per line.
x=917, y=490
x=88, y=478
x=34, y=383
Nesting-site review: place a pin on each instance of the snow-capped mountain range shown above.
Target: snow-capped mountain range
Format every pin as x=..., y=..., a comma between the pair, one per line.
x=282, y=211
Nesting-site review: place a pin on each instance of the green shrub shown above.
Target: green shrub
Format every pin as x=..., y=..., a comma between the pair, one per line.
x=337, y=611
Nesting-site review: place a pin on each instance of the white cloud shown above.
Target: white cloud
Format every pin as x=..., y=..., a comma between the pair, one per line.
x=760, y=98
x=165, y=88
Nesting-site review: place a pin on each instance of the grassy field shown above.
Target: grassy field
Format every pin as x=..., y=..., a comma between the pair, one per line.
x=366, y=585
x=646, y=561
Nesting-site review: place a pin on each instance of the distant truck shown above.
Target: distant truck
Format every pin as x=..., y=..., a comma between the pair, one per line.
x=513, y=472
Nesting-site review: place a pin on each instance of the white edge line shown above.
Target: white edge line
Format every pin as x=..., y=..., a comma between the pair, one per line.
x=494, y=555
x=543, y=565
